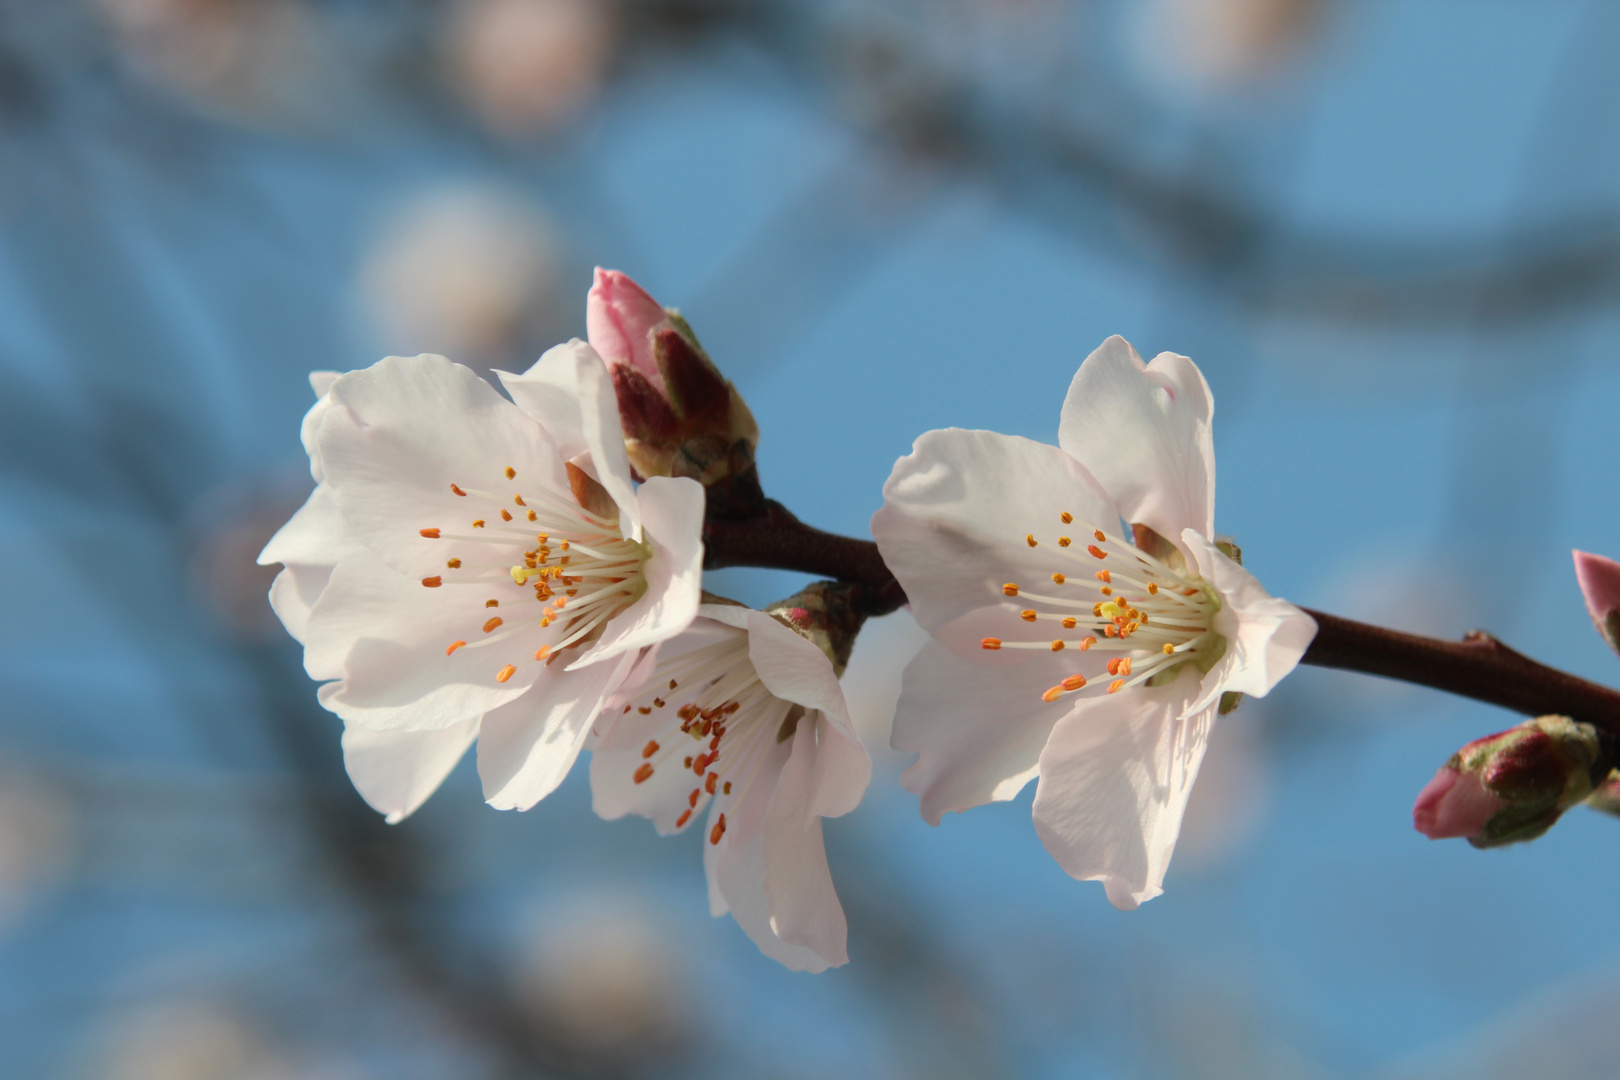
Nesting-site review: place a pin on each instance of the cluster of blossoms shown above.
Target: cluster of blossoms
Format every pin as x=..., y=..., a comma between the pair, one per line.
x=524, y=572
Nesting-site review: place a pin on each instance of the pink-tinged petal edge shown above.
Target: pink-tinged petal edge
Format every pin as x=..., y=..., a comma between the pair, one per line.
x=619, y=319
x=1599, y=578
x=1454, y=804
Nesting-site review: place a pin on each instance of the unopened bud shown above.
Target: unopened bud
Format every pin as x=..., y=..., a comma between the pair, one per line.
x=823, y=613
x=1599, y=579
x=680, y=416
x=1511, y=786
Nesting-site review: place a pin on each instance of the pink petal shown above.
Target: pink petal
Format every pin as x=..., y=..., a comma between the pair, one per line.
x=1599, y=578
x=1454, y=804
x=619, y=320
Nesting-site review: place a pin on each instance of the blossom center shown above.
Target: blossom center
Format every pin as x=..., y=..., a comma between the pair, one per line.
x=720, y=723
x=1111, y=597
x=545, y=562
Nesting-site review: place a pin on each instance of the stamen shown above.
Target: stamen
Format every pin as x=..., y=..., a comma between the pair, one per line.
x=718, y=831
x=1030, y=539
x=454, y=564
x=1098, y=533
x=643, y=771
x=1074, y=682
x=543, y=652
x=1053, y=694
x=506, y=515
x=1027, y=616
x=1064, y=541
x=519, y=500
x=1069, y=624
x=506, y=673
x=1058, y=579
x=510, y=472
x=492, y=603
x=1107, y=578
x=680, y=822
x=726, y=788
x=492, y=624
x=990, y=643
x=429, y=534
x=1009, y=589
x=458, y=491
x=479, y=523
x=454, y=645
x=1114, y=686
x=1057, y=646
x=432, y=582
x=1097, y=551
x=1068, y=518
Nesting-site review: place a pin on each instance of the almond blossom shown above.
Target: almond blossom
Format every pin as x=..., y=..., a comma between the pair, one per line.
x=1086, y=622
x=470, y=567
x=744, y=717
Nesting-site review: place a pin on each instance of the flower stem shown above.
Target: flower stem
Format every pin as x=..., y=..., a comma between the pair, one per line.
x=1479, y=666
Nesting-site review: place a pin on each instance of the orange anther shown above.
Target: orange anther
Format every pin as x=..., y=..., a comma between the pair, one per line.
x=1153, y=589
x=1113, y=666
x=1009, y=589
x=1074, y=682
x=506, y=515
x=726, y=790
x=1064, y=541
x=1106, y=591
x=645, y=710
x=718, y=831
x=708, y=785
x=454, y=645
x=479, y=523
x=650, y=749
x=492, y=603
x=458, y=491
x=1097, y=551
x=990, y=643
x=506, y=673
x=432, y=582
x=1027, y=616
x=1098, y=533
x=1030, y=539
x=1124, y=666
x=510, y=472
x=531, y=515
x=1058, y=579
x=492, y=624
x=1068, y=518
x=519, y=500
x=1053, y=694
x=1114, y=686
x=454, y=564
x=1169, y=649
x=1087, y=642
x=544, y=651
x=1057, y=646
x=691, y=800
x=1068, y=623
x=680, y=822
x=643, y=771
x=1104, y=575
x=431, y=534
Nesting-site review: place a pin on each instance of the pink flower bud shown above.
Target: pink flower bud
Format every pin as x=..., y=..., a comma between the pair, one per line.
x=1454, y=804
x=1511, y=786
x=1599, y=579
x=679, y=414
x=620, y=319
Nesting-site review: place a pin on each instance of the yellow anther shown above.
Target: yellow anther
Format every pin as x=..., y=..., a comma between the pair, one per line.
x=492, y=603
x=1027, y=616
x=1058, y=579
x=1068, y=623
x=1057, y=646
x=1009, y=589
x=1169, y=649
x=510, y=472
x=1106, y=591
x=1068, y=518
x=1030, y=539
x=1064, y=541
x=454, y=564
x=1153, y=589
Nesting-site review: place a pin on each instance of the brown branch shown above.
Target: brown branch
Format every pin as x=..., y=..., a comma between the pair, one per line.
x=1478, y=667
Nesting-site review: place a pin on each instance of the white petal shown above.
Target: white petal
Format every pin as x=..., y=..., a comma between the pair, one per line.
x=1115, y=776
x=736, y=868
x=292, y=598
x=957, y=509
x=320, y=382
x=570, y=392
x=402, y=431
x=798, y=886
x=528, y=746
x=1144, y=432
x=1265, y=635
x=662, y=797
x=976, y=717
x=672, y=511
x=387, y=635
x=314, y=536
x=395, y=771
